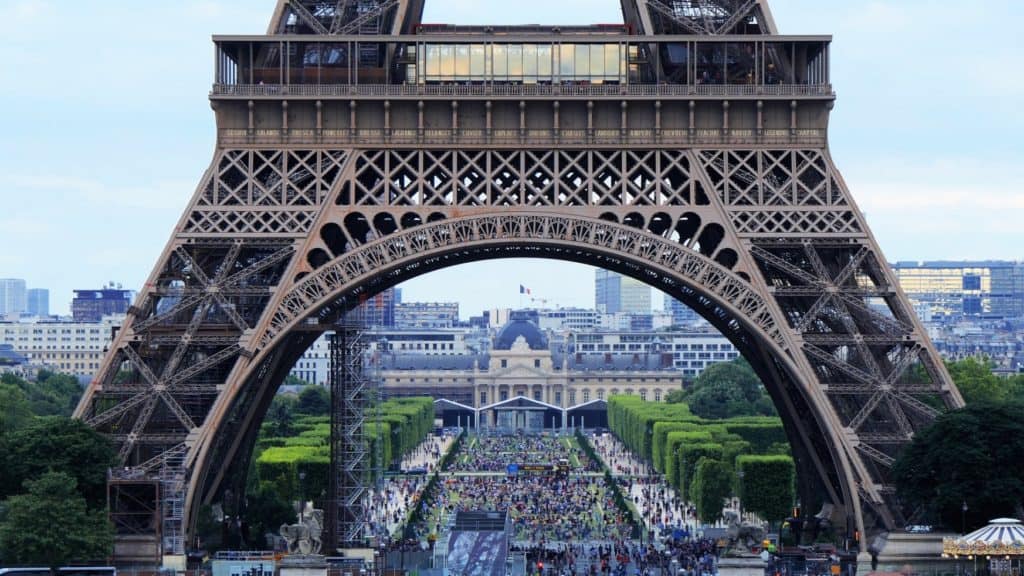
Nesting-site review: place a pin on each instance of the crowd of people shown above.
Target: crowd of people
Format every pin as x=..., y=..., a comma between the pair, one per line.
x=542, y=508
x=567, y=521
x=620, y=460
x=390, y=503
x=496, y=453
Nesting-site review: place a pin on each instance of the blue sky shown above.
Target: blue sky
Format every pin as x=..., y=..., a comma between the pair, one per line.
x=105, y=131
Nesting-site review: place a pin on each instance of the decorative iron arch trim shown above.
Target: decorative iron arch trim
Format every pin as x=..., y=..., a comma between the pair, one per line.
x=378, y=257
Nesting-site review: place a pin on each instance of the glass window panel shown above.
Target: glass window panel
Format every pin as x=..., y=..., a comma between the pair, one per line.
x=476, y=61
x=597, y=63
x=710, y=63
x=500, y=59
x=447, y=62
x=544, y=62
x=566, y=60
x=530, y=62
x=740, y=63
x=612, y=64
x=582, y=61
x=462, y=62
x=515, y=61
x=433, y=62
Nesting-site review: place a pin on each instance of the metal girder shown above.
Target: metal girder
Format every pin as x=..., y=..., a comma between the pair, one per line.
x=307, y=17
x=877, y=455
x=737, y=16
x=202, y=366
x=353, y=26
x=340, y=10
x=667, y=12
x=866, y=409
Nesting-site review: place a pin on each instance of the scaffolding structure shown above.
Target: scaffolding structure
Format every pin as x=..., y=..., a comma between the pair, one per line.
x=353, y=471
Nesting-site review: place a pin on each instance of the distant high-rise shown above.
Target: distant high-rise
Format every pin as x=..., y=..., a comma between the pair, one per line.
x=682, y=315
x=93, y=305
x=615, y=293
x=12, y=296
x=968, y=288
x=38, y=302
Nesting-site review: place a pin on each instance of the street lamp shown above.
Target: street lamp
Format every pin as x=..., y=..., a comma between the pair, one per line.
x=739, y=501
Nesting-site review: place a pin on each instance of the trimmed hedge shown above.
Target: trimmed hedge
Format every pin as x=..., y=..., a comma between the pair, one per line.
x=392, y=430
x=766, y=485
x=674, y=441
x=712, y=482
x=760, y=432
x=661, y=432
x=689, y=455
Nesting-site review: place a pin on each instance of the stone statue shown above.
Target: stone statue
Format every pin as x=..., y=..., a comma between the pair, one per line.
x=304, y=537
x=742, y=535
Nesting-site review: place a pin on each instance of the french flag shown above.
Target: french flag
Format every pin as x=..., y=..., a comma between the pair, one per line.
x=523, y=289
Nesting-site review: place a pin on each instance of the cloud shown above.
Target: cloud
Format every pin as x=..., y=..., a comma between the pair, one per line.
x=941, y=208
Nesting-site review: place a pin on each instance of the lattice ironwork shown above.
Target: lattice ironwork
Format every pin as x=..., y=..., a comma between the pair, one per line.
x=290, y=227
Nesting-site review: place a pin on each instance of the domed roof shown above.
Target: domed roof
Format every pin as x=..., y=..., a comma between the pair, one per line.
x=517, y=327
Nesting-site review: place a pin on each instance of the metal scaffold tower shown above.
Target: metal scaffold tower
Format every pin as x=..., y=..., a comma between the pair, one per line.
x=353, y=471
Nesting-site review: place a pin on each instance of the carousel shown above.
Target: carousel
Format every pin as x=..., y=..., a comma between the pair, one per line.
x=998, y=547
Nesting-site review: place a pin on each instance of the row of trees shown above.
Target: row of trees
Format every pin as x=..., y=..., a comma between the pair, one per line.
x=53, y=473
x=710, y=460
x=297, y=464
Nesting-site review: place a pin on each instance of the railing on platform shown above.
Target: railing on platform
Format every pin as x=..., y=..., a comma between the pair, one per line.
x=521, y=90
x=543, y=137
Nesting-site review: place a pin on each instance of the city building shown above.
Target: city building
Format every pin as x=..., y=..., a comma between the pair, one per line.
x=13, y=297
x=314, y=366
x=426, y=315
x=968, y=288
x=93, y=305
x=38, y=302
x=564, y=319
x=687, y=352
x=379, y=310
x=624, y=321
x=75, y=348
x=522, y=362
x=614, y=293
x=682, y=315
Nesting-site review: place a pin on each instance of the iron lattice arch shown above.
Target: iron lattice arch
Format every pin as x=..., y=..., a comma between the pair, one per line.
x=321, y=195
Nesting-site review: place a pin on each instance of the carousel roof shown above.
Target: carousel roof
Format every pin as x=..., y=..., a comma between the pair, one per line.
x=1002, y=536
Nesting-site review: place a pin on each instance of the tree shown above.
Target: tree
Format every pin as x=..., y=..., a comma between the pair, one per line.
x=726, y=390
x=280, y=416
x=52, y=525
x=976, y=382
x=712, y=484
x=314, y=401
x=50, y=394
x=973, y=455
x=15, y=412
x=57, y=444
x=766, y=485
x=265, y=512
x=293, y=380
x=676, y=396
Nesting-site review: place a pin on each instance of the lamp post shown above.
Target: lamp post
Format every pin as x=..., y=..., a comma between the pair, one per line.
x=739, y=501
